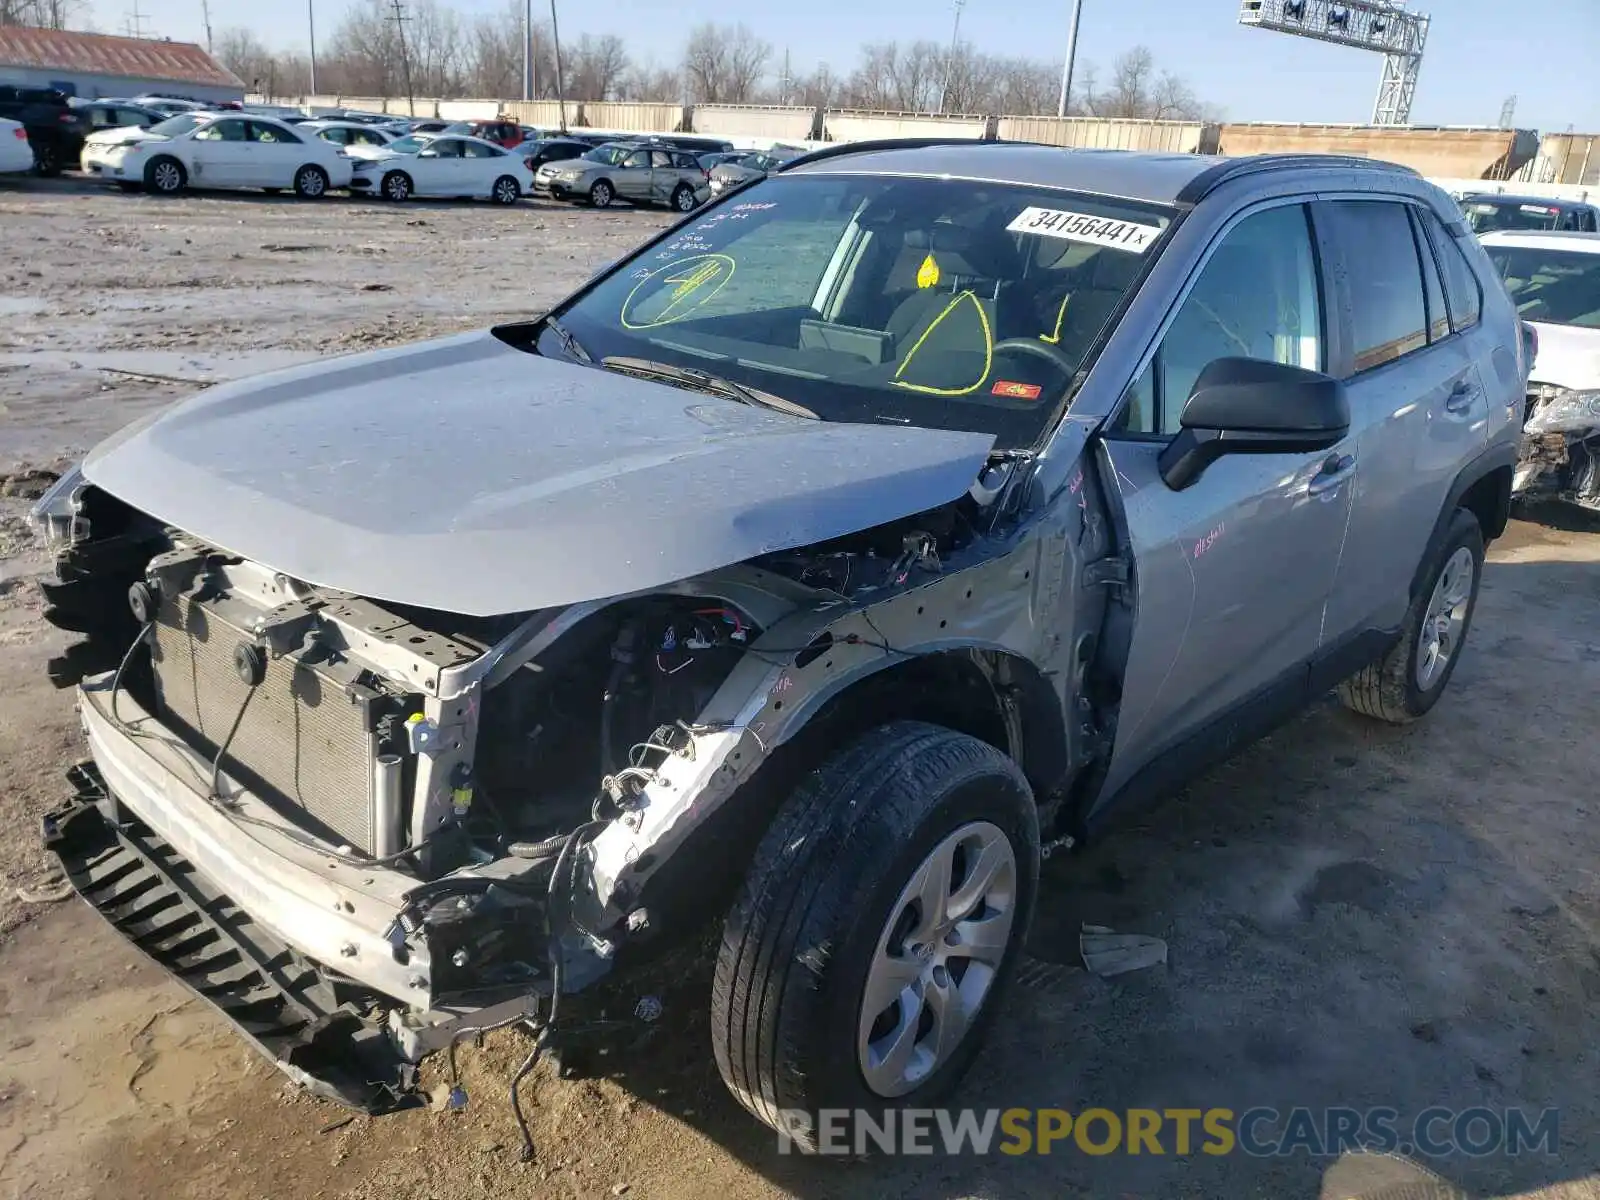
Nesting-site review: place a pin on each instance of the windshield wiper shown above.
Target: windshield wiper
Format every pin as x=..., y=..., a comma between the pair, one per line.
x=568, y=342
x=704, y=381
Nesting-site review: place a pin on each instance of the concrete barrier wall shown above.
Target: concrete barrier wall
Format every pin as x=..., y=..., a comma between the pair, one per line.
x=469, y=110
x=1100, y=133
x=850, y=125
x=755, y=120
x=1455, y=153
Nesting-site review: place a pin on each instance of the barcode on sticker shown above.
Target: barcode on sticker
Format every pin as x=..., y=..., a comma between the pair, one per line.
x=1084, y=227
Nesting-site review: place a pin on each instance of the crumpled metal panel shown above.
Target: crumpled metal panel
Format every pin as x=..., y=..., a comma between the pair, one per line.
x=101, y=54
x=463, y=475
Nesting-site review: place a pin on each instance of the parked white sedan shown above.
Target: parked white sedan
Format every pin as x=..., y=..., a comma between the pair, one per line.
x=348, y=134
x=217, y=150
x=16, y=155
x=465, y=167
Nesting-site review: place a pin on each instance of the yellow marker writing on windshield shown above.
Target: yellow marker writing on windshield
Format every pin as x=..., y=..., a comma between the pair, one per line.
x=928, y=273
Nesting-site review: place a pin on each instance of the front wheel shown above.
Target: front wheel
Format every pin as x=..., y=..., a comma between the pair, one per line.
x=396, y=186
x=165, y=177
x=311, y=182
x=46, y=158
x=1409, y=680
x=506, y=190
x=882, y=915
x=601, y=194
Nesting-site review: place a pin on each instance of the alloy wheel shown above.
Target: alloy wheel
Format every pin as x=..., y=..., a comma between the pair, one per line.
x=1445, y=618
x=937, y=958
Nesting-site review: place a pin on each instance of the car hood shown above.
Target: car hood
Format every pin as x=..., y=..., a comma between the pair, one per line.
x=1569, y=356
x=125, y=136
x=467, y=476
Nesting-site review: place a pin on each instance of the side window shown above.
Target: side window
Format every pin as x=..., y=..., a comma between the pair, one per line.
x=447, y=147
x=339, y=137
x=660, y=159
x=474, y=150
x=1387, y=306
x=1258, y=296
x=271, y=135
x=1433, y=288
x=637, y=160
x=1461, y=286
x=104, y=118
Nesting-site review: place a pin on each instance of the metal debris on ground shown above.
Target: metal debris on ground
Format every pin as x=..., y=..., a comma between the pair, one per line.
x=1107, y=953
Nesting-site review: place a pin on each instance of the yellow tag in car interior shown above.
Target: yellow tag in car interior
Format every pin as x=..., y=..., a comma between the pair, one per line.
x=928, y=273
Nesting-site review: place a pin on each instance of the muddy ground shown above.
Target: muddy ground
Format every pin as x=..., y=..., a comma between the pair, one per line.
x=1356, y=915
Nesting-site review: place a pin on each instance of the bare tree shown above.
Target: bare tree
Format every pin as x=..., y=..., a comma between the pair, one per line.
x=647, y=81
x=43, y=14
x=724, y=65
x=595, y=67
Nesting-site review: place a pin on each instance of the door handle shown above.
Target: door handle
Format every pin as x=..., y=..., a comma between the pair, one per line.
x=1459, y=401
x=1335, y=470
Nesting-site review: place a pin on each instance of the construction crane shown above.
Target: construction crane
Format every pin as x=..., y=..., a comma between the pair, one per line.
x=1381, y=26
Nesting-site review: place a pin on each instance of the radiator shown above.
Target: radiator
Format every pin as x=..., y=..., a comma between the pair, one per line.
x=301, y=738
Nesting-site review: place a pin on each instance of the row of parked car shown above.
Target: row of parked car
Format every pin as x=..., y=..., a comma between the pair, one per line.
x=163, y=146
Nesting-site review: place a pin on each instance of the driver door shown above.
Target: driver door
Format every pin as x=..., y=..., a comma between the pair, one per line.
x=437, y=170
x=632, y=177
x=221, y=154
x=1233, y=573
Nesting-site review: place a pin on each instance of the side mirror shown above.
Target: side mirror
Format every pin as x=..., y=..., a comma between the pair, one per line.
x=1247, y=406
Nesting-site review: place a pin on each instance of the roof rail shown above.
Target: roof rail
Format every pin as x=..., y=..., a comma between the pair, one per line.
x=840, y=149
x=1214, y=177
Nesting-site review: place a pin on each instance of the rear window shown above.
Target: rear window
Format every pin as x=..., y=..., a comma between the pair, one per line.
x=1556, y=287
x=1485, y=216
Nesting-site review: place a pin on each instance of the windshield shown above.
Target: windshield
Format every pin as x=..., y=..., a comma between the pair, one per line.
x=173, y=126
x=1485, y=216
x=1557, y=287
x=943, y=303
x=609, y=155
x=411, y=143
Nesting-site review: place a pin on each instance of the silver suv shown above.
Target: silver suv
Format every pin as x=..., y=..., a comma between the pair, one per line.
x=820, y=565
x=643, y=173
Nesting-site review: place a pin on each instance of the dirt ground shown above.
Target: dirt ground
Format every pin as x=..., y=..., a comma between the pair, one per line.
x=1356, y=915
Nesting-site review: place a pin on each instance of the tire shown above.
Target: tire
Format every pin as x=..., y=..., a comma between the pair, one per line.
x=1408, y=681
x=46, y=158
x=396, y=186
x=602, y=194
x=311, y=182
x=683, y=198
x=830, y=893
x=506, y=190
x=165, y=176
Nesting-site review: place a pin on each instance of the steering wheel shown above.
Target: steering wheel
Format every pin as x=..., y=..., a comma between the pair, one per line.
x=1051, y=353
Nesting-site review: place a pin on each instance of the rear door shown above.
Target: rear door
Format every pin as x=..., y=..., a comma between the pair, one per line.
x=1232, y=574
x=273, y=156
x=1417, y=398
x=482, y=164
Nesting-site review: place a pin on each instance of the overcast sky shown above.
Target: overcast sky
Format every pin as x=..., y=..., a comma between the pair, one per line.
x=1479, y=51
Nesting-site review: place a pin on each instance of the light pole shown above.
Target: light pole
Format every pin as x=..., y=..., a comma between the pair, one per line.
x=1072, y=52
x=311, y=25
x=527, y=50
x=555, y=45
x=949, y=62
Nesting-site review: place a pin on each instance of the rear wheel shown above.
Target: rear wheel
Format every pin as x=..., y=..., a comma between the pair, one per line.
x=396, y=186
x=46, y=158
x=1409, y=680
x=311, y=182
x=879, y=921
x=683, y=198
x=165, y=177
x=506, y=190
x=601, y=194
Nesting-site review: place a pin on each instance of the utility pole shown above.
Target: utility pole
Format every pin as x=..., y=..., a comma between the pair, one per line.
x=949, y=61
x=205, y=15
x=783, y=84
x=555, y=42
x=400, y=20
x=311, y=28
x=527, y=49
x=133, y=22
x=1072, y=54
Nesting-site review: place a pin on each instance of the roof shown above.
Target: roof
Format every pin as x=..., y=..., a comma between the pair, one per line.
x=1155, y=178
x=1547, y=239
x=102, y=54
x=1510, y=198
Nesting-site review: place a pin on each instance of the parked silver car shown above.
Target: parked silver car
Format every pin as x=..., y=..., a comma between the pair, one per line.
x=730, y=174
x=824, y=563
x=634, y=171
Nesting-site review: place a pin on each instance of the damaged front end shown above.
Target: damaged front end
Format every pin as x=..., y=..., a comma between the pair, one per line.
x=1560, y=458
x=364, y=830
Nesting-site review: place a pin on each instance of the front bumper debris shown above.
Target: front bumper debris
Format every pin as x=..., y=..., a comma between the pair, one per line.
x=327, y=1035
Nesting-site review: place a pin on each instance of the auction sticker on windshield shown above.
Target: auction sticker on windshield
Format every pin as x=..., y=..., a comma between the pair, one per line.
x=1084, y=227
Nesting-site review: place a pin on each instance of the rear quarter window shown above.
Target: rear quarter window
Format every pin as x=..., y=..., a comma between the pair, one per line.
x=1462, y=289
